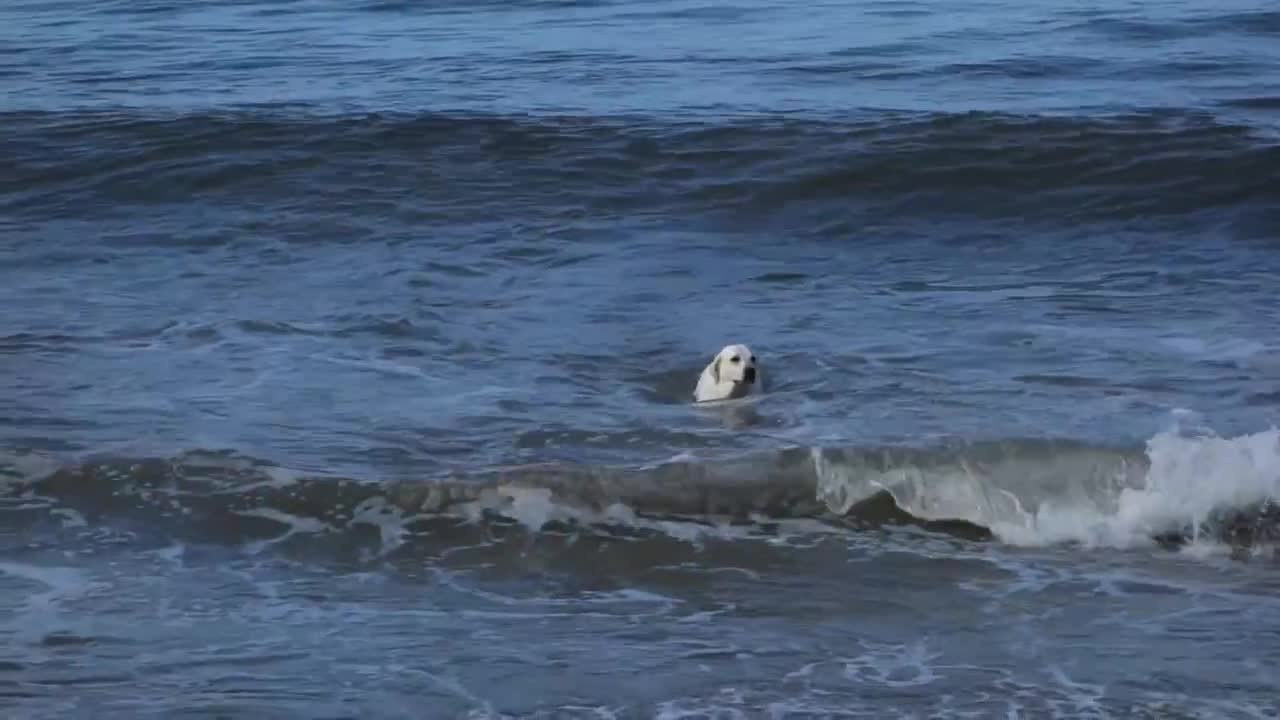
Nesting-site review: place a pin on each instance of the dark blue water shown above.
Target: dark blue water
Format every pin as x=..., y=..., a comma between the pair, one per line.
x=347, y=355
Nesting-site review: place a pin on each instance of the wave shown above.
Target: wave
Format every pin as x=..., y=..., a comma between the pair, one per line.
x=1180, y=488
x=1149, y=164
x=1176, y=489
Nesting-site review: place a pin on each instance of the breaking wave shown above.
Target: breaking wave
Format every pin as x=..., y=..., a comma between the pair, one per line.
x=1180, y=488
x=1176, y=489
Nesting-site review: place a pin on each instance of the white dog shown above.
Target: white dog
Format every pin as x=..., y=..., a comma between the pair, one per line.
x=731, y=375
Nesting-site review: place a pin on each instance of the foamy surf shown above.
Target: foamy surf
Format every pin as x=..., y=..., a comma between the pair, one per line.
x=1188, y=488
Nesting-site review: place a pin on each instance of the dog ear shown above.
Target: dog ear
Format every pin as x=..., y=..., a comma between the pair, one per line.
x=715, y=369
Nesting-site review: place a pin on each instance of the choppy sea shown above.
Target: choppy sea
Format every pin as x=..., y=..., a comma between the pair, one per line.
x=347, y=350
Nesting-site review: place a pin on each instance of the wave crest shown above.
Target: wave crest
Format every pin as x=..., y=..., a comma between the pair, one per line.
x=1179, y=488
x=1141, y=164
x=1176, y=489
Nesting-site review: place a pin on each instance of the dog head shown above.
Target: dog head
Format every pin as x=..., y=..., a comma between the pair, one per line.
x=734, y=364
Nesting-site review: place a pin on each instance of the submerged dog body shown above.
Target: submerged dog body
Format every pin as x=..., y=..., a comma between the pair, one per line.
x=732, y=374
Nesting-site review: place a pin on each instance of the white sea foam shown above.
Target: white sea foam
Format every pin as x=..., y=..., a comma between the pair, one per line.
x=1082, y=495
x=1189, y=481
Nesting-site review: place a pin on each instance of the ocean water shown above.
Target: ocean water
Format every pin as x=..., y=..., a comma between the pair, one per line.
x=347, y=351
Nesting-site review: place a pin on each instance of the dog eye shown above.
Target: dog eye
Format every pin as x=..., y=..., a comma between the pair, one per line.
x=753, y=358
x=735, y=358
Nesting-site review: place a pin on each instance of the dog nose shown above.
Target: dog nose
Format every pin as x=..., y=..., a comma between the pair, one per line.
x=749, y=375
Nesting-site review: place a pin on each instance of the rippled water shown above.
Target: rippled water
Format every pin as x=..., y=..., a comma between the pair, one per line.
x=347, y=353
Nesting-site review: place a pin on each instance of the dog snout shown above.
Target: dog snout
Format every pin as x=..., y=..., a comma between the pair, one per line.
x=749, y=375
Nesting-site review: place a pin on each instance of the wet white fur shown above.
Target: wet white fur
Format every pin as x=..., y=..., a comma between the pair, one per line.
x=723, y=379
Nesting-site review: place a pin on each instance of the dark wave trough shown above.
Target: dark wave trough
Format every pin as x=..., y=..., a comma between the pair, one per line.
x=1131, y=165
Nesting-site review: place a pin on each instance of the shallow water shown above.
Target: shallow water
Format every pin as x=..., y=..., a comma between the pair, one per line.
x=347, y=356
